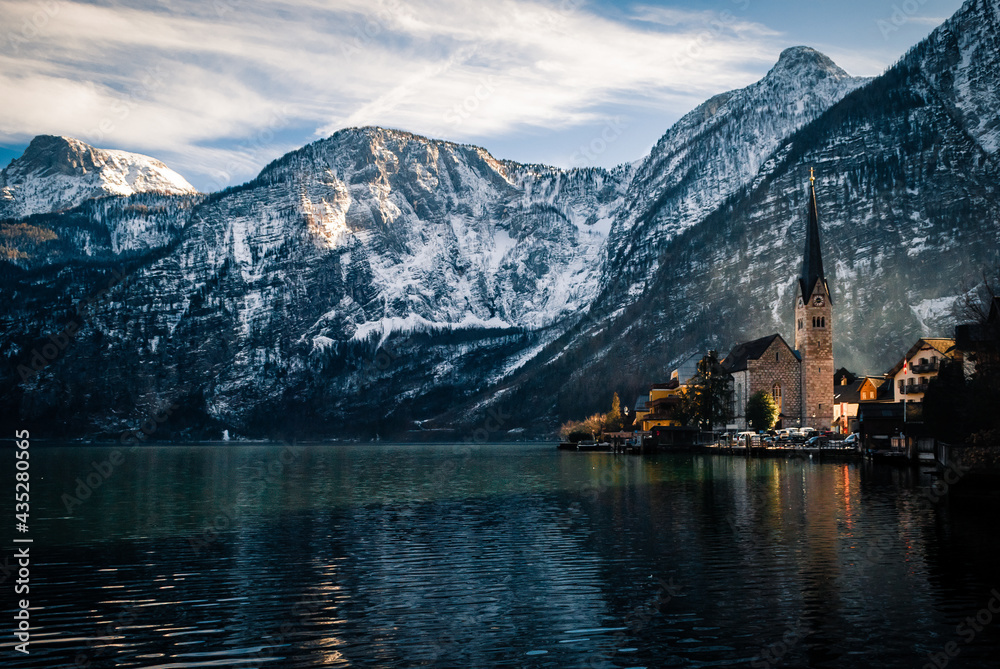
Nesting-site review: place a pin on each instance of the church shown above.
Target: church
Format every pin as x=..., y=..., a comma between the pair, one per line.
x=800, y=379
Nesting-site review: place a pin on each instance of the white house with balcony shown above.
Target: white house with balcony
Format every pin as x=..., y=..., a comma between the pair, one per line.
x=921, y=363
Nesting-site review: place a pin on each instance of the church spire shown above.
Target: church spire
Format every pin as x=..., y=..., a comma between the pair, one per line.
x=812, y=261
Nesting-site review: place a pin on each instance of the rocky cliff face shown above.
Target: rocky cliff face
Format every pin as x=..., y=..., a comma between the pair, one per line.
x=377, y=282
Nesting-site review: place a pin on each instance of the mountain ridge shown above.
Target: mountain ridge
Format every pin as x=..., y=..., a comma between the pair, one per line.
x=713, y=151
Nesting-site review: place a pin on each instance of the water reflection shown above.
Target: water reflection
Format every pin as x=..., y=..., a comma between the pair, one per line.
x=497, y=556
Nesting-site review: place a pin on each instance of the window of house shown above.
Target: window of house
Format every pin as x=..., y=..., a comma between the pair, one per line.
x=800, y=323
x=776, y=395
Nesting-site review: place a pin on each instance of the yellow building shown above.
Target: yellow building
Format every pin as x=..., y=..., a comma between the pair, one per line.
x=658, y=409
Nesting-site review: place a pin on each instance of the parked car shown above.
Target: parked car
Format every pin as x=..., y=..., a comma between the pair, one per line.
x=818, y=441
x=853, y=440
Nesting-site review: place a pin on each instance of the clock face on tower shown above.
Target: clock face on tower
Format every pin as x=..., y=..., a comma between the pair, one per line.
x=818, y=300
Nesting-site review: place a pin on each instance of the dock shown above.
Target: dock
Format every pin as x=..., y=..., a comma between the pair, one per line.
x=833, y=452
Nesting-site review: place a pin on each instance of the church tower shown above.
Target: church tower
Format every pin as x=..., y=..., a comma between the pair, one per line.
x=814, y=328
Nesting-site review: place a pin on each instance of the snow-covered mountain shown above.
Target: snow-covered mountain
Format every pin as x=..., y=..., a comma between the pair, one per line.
x=58, y=173
x=381, y=282
x=444, y=233
x=334, y=249
x=908, y=185
x=711, y=153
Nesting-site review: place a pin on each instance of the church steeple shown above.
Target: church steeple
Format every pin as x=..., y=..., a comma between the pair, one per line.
x=812, y=261
x=814, y=328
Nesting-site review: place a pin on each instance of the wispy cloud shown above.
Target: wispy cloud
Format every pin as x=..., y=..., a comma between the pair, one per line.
x=190, y=82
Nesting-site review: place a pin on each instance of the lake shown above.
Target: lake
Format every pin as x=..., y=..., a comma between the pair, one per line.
x=511, y=555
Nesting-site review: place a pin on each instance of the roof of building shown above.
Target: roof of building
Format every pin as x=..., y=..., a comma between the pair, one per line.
x=876, y=410
x=972, y=335
x=843, y=373
x=812, y=260
x=737, y=359
x=942, y=345
x=641, y=402
x=994, y=313
x=850, y=393
x=688, y=368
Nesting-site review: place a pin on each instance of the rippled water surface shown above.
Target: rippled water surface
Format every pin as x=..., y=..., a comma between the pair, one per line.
x=498, y=555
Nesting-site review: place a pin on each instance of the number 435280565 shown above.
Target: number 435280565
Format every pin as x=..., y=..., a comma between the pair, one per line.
x=21, y=495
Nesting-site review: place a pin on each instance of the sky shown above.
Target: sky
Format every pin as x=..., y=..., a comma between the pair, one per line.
x=218, y=88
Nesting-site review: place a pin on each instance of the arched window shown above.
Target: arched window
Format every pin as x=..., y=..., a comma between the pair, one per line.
x=776, y=395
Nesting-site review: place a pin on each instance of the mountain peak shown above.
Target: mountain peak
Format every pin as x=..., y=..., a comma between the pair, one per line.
x=806, y=61
x=56, y=173
x=54, y=154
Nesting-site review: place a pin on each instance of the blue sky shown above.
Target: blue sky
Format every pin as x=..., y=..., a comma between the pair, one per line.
x=218, y=88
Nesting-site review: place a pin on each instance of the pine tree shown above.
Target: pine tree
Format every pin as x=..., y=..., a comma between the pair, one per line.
x=706, y=402
x=761, y=411
x=613, y=419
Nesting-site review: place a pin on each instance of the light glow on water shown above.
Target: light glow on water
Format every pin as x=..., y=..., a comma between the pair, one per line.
x=496, y=555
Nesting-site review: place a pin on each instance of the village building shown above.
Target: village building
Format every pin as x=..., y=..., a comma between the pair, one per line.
x=848, y=398
x=911, y=375
x=769, y=364
x=658, y=408
x=800, y=379
x=890, y=414
x=980, y=342
x=893, y=420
